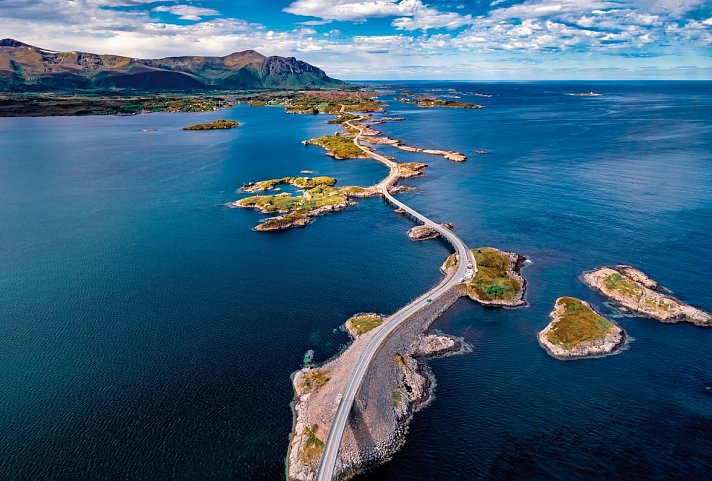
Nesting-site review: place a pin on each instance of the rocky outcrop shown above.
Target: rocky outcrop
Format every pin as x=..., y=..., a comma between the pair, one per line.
x=633, y=292
x=422, y=232
x=577, y=331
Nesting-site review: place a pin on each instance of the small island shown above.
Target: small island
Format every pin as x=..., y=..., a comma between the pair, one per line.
x=362, y=323
x=317, y=196
x=429, y=102
x=422, y=232
x=498, y=281
x=577, y=331
x=636, y=293
x=214, y=125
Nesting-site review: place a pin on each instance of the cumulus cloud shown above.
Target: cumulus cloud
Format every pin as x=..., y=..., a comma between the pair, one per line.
x=446, y=44
x=412, y=14
x=187, y=12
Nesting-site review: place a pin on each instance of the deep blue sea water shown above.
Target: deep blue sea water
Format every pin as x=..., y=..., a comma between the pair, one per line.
x=146, y=333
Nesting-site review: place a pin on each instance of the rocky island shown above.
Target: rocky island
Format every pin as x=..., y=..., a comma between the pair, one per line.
x=318, y=196
x=214, y=125
x=422, y=232
x=498, y=281
x=636, y=293
x=577, y=331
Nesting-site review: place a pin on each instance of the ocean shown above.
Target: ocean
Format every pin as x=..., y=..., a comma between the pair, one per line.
x=147, y=333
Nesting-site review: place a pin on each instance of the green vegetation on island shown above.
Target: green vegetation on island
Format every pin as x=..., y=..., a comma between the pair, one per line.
x=633, y=291
x=396, y=397
x=362, y=323
x=576, y=330
x=428, y=103
x=577, y=323
x=313, y=446
x=214, y=125
x=318, y=196
x=314, y=379
x=495, y=281
x=300, y=182
x=339, y=147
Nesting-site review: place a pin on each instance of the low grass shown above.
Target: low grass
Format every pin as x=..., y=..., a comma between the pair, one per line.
x=492, y=281
x=216, y=125
x=300, y=182
x=450, y=262
x=577, y=323
x=362, y=324
x=340, y=147
x=620, y=283
x=401, y=360
x=354, y=190
x=396, y=397
x=319, y=196
x=313, y=446
x=315, y=379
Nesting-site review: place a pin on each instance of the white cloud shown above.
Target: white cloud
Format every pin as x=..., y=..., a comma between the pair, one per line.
x=412, y=14
x=187, y=12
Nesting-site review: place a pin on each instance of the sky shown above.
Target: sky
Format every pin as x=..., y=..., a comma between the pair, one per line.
x=393, y=39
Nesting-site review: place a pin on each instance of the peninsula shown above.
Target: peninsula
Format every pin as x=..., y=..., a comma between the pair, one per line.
x=577, y=331
x=636, y=293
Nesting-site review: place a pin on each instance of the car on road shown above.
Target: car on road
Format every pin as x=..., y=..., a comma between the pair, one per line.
x=428, y=300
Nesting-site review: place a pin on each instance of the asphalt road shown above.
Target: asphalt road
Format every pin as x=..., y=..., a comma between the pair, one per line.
x=336, y=433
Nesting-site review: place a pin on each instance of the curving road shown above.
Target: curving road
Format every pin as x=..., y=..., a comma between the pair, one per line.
x=327, y=464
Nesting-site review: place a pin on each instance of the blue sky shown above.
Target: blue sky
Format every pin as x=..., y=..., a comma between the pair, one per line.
x=394, y=39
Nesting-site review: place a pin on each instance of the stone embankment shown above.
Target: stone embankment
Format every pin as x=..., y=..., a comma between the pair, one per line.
x=390, y=394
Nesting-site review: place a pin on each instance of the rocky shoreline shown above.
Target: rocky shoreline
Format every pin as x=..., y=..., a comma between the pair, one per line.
x=422, y=232
x=636, y=293
x=571, y=343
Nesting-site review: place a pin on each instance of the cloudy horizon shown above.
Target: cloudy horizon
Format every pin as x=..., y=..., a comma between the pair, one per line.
x=393, y=39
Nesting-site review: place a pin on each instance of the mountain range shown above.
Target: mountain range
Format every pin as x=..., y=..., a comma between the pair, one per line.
x=25, y=67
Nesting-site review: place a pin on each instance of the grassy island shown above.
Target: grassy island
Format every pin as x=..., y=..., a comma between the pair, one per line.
x=215, y=125
x=318, y=196
x=577, y=323
x=300, y=182
x=339, y=147
x=428, y=103
x=315, y=198
x=497, y=280
x=633, y=291
x=494, y=281
x=576, y=330
x=362, y=323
